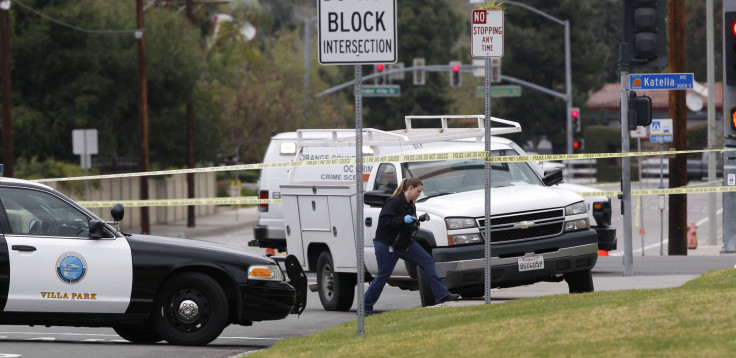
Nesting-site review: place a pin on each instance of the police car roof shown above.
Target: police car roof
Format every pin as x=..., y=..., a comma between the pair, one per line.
x=22, y=182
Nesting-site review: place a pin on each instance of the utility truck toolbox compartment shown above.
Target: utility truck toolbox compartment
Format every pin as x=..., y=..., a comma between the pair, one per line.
x=321, y=214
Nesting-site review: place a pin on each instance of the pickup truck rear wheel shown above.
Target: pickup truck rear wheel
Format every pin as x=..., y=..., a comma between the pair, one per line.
x=579, y=281
x=336, y=289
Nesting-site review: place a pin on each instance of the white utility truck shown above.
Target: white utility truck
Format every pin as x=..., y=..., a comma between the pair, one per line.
x=539, y=232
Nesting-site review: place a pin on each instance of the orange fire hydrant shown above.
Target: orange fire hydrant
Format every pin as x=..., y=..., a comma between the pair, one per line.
x=692, y=235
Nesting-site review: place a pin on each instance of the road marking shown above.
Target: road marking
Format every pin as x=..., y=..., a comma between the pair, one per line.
x=705, y=219
x=61, y=334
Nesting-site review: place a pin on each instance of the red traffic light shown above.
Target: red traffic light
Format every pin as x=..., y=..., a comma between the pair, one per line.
x=456, y=68
x=379, y=68
x=575, y=113
x=733, y=118
x=733, y=28
x=576, y=144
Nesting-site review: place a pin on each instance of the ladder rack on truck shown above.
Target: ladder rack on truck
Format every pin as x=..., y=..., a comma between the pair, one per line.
x=410, y=135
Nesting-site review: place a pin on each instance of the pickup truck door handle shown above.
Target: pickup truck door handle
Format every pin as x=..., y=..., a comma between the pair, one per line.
x=24, y=248
x=368, y=222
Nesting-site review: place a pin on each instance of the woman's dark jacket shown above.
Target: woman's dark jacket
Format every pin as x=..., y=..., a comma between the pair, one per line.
x=392, y=230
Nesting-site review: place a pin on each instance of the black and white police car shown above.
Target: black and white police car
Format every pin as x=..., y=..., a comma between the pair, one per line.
x=60, y=265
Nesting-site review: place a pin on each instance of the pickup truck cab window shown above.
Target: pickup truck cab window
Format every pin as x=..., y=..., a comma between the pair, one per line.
x=386, y=178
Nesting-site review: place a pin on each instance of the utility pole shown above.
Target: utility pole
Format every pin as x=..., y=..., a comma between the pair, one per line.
x=678, y=113
x=143, y=113
x=190, y=141
x=8, y=156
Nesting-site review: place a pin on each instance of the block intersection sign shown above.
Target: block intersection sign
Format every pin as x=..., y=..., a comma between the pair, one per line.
x=357, y=32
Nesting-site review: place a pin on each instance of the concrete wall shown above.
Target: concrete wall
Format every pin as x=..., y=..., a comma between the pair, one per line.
x=159, y=187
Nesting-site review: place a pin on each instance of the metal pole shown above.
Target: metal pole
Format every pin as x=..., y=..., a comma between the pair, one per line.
x=661, y=202
x=640, y=199
x=711, y=121
x=359, y=198
x=568, y=89
x=626, y=162
x=8, y=156
x=487, y=225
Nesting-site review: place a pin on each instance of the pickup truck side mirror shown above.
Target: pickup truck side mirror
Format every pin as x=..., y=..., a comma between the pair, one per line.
x=552, y=177
x=375, y=197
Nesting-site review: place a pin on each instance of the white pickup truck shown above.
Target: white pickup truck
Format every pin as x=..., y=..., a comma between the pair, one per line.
x=539, y=232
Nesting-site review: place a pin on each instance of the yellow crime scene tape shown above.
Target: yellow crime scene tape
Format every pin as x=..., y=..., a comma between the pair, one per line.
x=379, y=159
x=181, y=202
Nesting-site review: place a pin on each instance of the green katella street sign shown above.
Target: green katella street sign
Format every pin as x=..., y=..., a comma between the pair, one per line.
x=499, y=91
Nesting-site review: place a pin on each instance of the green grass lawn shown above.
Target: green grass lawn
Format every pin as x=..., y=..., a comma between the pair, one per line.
x=695, y=320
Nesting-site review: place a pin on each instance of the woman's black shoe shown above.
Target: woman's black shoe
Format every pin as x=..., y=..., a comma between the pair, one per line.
x=450, y=297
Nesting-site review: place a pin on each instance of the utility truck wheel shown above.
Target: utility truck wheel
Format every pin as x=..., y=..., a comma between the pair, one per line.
x=579, y=281
x=336, y=289
x=425, y=292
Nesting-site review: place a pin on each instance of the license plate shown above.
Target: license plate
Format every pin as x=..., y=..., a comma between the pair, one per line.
x=531, y=263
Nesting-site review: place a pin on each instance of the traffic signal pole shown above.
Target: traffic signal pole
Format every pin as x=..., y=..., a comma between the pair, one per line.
x=623, y=67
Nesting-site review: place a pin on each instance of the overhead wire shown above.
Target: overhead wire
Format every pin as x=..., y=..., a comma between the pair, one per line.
x=77, y=28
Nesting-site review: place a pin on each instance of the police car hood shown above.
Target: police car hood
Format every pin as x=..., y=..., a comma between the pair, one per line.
x=504, y=200
x=188, y=247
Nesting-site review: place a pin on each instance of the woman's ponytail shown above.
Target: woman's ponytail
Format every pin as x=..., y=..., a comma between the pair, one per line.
x=410, y=182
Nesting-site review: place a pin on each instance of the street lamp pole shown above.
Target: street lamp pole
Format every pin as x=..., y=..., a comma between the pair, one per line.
x=568, y=66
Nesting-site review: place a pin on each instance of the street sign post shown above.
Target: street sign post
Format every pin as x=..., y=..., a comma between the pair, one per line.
x=357, y=32
x=382, y=91
x=499, y=91
x=661, y=81
x=661, y=130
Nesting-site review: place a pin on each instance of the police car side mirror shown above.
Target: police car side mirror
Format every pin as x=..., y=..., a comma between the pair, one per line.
x=375, y=197
x=552, y=177
x=96, y=229
x=117, y=212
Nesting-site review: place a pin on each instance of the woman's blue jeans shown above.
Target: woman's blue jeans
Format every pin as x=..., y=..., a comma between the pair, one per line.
x=387, y=261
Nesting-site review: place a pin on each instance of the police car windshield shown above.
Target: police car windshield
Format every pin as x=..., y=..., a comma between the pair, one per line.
x=456, y=176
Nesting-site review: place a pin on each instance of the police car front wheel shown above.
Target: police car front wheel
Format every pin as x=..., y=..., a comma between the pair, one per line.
x=191, y=309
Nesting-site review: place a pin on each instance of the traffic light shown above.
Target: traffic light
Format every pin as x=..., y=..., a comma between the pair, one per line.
x=733, y=120
x=577, y=145
x=575, y=114
x=419, y=78
x=640, y=111
x=456, y=79
x=729, y=44
x=380, y=69
x=645, y=32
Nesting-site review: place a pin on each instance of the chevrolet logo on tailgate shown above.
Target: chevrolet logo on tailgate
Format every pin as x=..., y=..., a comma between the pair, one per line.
x=523, y=224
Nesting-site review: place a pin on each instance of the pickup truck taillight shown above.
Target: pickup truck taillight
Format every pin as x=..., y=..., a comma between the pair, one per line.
x=263, y=194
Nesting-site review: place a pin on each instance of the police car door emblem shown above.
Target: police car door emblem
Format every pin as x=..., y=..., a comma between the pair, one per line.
x=71, y=267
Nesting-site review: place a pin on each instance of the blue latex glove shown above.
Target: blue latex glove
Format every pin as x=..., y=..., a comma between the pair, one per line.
x=409, y=219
